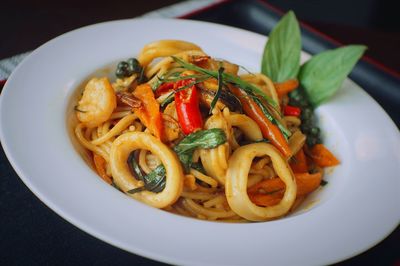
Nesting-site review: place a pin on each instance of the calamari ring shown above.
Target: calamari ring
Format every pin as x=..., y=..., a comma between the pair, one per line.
x=164, y=48
x=120, y=150
x=215, y=161
x=247, y=125
x=236, y=182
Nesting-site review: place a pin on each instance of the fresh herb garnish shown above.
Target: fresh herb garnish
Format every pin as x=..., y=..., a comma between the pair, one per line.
x=170, y=96
x=286, y=133
x=281, y=57
x=155, y=180
x=323, y=74
x=228, y=78
x=202, y=139
x=219, y=90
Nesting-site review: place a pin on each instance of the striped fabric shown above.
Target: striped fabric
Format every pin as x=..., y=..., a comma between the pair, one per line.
x=7, y=65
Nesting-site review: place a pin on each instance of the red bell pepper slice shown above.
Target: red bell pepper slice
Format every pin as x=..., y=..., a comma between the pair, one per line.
x=291, y=110
x=187, y=106
x=164, y=88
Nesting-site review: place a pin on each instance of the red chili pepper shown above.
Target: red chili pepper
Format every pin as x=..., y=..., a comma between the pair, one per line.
x=291, y=110
x=164, y=88
x=187, y=107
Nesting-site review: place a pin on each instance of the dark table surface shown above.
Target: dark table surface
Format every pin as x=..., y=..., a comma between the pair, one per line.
x=33, y=234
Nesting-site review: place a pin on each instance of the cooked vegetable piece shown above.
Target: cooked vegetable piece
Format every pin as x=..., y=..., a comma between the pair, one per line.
x=154, y=181
x=298, y=98
x=204, y=139
x=283, y=88
x=291, y=110
x=187, y=107
x=299, y=163
x=100, y=165
x=269, y=192
x=268, y=129
x=149, y=111
x=219, y=90
x=228, y=78
x=322, y=156
x=226, y=97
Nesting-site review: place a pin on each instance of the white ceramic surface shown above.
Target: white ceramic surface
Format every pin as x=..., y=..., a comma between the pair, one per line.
x=358, y=208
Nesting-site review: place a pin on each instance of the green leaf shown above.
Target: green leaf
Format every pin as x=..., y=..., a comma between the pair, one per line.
x=286, y=132
x=155, y=181
x=204, y=139
x=281, y=57
x=248, y=87
x=219, y=90
x=324, y=73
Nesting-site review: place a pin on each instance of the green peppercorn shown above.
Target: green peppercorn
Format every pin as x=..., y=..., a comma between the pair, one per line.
x=123, y=65
x=315, y=131
x=134, y=65
x=307, y=113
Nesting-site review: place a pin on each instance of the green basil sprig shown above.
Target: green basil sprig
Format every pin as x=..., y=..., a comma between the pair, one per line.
x=155, y=181
x=323, y=74
x=281, y=58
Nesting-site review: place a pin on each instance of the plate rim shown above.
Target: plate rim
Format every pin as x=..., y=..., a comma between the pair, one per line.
x=75, y=221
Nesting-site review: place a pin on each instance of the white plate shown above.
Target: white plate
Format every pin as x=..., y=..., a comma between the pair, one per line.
x=358, y=208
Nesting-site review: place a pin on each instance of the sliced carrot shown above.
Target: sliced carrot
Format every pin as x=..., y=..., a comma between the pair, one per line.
x=269, y=192
x=307, y=183
x=322, y=156
x=100, y=165
x=267, y=186
x=149, y=111
x=266, y=199
x=283, y=88
x=268, y=129
x=299, y=164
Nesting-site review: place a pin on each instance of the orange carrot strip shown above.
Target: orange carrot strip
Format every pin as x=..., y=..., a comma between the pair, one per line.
x=322, y=156
x=307, y=183
x=149, y=111
x=299, y=164
x=268, y=129
x=100, y=165
x=266, y=199
x=269, y=192
x=283, y=88
x=267, y=186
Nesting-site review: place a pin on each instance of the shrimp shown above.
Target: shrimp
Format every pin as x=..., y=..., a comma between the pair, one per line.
x=97, y=103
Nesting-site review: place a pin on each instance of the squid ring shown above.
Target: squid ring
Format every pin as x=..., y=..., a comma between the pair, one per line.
x=120, y=150
x=236, y=182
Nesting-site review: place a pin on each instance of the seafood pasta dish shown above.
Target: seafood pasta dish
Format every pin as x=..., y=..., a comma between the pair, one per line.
x=199, y=136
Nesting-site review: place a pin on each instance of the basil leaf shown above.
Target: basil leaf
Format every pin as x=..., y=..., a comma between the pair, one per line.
x=281, y=57
x=155, y=181
x=248, y=87
x=219, y=90
x=324, y=73
x=204, y=139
